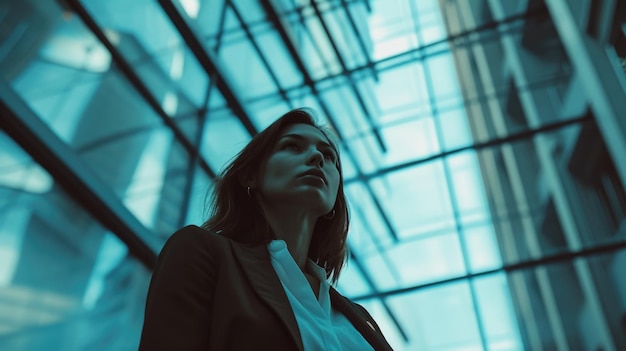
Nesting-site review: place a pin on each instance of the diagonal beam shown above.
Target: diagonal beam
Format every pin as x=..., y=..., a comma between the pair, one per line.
x=133, y=78
x=366, y=276
x=513, y=137
x=209, y=62
x=344, y=68
x=601, y=250
x=259, y=52
x=359, y=38
x=273, y=16
x=69, y=171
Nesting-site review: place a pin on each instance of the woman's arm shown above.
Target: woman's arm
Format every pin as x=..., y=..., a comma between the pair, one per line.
x=179, y=302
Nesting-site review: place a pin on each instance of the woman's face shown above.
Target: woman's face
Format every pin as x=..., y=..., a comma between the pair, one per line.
x=301, y=170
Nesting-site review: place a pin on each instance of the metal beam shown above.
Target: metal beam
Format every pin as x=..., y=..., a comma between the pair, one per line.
x=344, y=68
x=128, y=71
x=410, y=56
x=370, y=282
x=69, y=171
x=272, y=14
x=256, y=47
x=569, y=256
x=359, y=38
x=477, y=146
x=209, y=62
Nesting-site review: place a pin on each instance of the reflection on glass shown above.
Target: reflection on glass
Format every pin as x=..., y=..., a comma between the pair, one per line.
x=224, y=136
x=147, y=39
x=70, y=83
x=496, y=312
x=59, y=78
x=65, y=281
x=417, y=199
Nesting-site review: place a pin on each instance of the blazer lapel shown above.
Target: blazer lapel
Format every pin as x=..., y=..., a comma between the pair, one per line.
x=360, y=320
x=255, y=262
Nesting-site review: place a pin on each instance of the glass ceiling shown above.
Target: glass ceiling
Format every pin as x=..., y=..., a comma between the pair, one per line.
x=207, y=75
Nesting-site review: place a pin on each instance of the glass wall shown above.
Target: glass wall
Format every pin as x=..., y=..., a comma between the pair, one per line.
x=66, y=281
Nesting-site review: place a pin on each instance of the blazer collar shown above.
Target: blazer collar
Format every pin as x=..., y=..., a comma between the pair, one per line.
x=361, y=320
x=255, y=262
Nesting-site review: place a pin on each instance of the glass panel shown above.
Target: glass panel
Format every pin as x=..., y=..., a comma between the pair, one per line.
x=224, y=136
x=442, y=309
x=429, y=22
x=61, y=72
x=279, y=60
x=266, y=111
x=382, y=273
x=572, y=304
x=444, y=78
x=64, y=279
x=310, y=52
x=251, y=11
x=158, y=170
x=402, y=93
x=347, y=164
x=607, y=272
x=454, y=129
x=189, y=124
x=246, y=70
x=149, y=42
x=496, y=312
x=348, y=114
x=198, y=198
x=467, y=187
x=368, y=230
x=391, y=28
x=482, y=247
x=321, y=42
x=352, y=282
x=440, y=253
x=523, y=181
x=416, y=200
x=344, y=37
x=91, y=106
x=208, y=13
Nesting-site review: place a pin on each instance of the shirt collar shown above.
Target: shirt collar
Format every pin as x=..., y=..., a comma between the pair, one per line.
x=315, y=270
x=311, y=267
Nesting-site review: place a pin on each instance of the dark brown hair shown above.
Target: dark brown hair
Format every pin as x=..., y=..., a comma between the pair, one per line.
x=235, y=215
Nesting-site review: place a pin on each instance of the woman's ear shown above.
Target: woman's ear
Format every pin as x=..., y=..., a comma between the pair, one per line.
x=248, y=181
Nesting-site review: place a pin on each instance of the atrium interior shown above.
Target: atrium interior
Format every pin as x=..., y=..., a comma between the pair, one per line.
x=483, y=147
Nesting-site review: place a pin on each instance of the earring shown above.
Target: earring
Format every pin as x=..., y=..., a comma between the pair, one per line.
x=330, y=215
x=249, y=189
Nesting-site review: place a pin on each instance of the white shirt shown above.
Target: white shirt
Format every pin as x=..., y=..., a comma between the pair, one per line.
x=321, y=327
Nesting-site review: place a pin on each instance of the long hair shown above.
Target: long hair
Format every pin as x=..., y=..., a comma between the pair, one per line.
x=233, y=214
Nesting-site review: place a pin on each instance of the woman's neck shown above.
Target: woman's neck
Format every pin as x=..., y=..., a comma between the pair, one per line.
x=296, y=229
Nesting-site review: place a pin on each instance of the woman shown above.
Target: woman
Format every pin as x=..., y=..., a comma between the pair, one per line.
x=255, y=276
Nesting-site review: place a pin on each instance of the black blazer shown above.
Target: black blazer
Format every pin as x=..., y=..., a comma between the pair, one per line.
x=210, y=293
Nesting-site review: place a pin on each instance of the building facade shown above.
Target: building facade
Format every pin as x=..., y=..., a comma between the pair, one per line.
x=552, y=83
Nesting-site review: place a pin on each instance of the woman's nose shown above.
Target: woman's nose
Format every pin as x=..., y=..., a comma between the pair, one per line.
x=316, y=158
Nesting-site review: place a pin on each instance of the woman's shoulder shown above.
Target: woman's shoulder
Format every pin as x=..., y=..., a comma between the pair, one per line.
x=192, y=239
x=193, y=231
x=193, y=236
x=193, y=243
x=338, y=299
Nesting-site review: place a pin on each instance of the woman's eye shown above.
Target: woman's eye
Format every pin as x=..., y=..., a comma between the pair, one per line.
x=330, y=156
x=291, y=147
